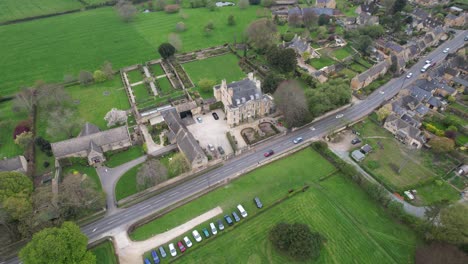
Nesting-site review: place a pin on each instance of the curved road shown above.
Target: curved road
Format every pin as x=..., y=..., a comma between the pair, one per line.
x=125, y=217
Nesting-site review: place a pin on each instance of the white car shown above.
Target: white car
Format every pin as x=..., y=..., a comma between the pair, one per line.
x=214, y=231
x=211, y=147
x=187, y=242
x=381, y=92
x=428, y=61
x=409, y=75
x=446, y=50
x=172, y=250
x=199, y=119
x=196, y=235
x=339, y=116
x=242, y=211
x=297, y=140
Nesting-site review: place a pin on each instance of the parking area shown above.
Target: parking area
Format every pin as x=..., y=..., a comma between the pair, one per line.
x=211, y=131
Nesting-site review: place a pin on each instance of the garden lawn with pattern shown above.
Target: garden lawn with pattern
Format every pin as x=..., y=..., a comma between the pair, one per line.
x=8, y=122
x=18, y=9
x=104, y=252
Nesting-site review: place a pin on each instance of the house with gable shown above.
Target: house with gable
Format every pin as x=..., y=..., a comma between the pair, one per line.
x=301, y=45
x=459, y=20
x=403, y=131
x=17, y=163
x=367, y=77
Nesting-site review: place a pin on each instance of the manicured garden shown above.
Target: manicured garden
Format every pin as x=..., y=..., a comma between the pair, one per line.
x=69, y=46
x=82, y=169
x=343, y=52
x=216, y=69
x=165, y=86
x=141, y=93
x=323, y=61
x=8, y=122
x=105, y=253
x=354, y=227
x=121, y=157
x=135, y=76
x=18, y=9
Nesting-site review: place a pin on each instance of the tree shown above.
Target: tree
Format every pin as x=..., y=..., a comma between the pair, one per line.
x=175, y=41
x=254, y=2
x=106, y=68
x=58, y=245
x=160, y=4
x=209, y=27
x=63, y=122
x=282, y=59
x=310, y=19
x=206, y=85
x=52, y=96
x=398, y=6
x=383, y=112
x=362, y=43
x=290, y=99
x=99, y=76
x=116, y=117
x=24, y=139
x=323, y=20
x=180, y=27
x=453, y=224
x=69, y=78
x=262, y=33
x=171, y=9
x=85, y=77
x=294, y=20
x=126, y=10
x=231, y=21
x=211, y=5
x=271, y=82
x=296, y=240
x=150, y=174
x=328, y=96
x=166, y=50
x=14, y=184
x=243, y=4
x=25, y=100
x=442, y=144
x=388, y=4
x=178, y=164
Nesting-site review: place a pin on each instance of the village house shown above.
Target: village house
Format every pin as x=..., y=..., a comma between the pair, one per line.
x=17, y=163
x=325, y=4
x=243, y=100
x=366, y=19
x=369, y=6
x=91, y=143
x=452, y=20
x=404, y=132
x=299, y=12
x=367, y=77
x=429, y=3
x=301, y=46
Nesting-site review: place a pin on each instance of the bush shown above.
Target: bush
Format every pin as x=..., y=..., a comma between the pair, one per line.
x=99, y=76
x=197, y=3
x=23, y=126
x=171, y=9
x=44, y=145
x=288, y=36
x=206, y=85
x=180, y=27
x=46, y=164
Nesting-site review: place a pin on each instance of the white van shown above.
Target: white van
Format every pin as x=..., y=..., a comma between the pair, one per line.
x=242, y=211
x=214, y=231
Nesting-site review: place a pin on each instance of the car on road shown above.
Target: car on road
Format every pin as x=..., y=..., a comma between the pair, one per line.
x=355, y=141
x=199, y=119
x=162, y=252
x=172, y=250
x=205, y=232
x=211, y=147
x=187, y=241
x=228, y=220
x=258, y=203
x=221, y=150
x=381, y=92
x=215, y=116
x=312, y=128
x=339, y=116
x=268, y=153
x=297, y=140
x=428, y=61
x=147, y=261
x=155, y=256
x=196, y=236
x=214, y=231
x=236, y=217
x=446, y=50
x=466, y=38
x=242, y=211
x=409, y=75
x=220, y=225
x=181, y=246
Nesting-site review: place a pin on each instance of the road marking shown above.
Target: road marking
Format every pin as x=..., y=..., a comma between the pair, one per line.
x=144, y=207
x=173, y=194
x=157, y=201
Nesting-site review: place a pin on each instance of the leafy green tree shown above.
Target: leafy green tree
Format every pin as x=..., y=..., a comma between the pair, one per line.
x=282, y=59
x=166, y=50
x=453, y=224
x=398, y=6
x=24, y=139
x=262, y=33
x=106, y=68
x=85, y=77
x=271, y=82
x=384, y=112
x=58, y=245
x=323, y=20
x=99, y=76
x=206, y=85
x=14, y=184
x=442, y=144
x=231, y=20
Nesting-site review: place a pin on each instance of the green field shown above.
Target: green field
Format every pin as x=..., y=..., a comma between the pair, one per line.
x=354, y=227
x=343, y=53
x=165, y=86
x=437, y=191
x=88, y=170
x=104, y=253
x=17, y=9
x=8, y=122
x=215, y=68
x=126, y=185
x=119, y=158
x=321, y=62
x=135, y=76
x=47, y=49
x=157, y=70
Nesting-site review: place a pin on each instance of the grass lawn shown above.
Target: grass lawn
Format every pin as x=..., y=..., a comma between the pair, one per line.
x=343, y=52
x=321, y=62
x=141, y=93
x=104, y=253
x=215, y=68
x=354, y=226
x=17, y=9
x=40, y=157
x=119, y=158
x=8, y=122
x=437, y=191
x=165, y=86
x=357, y=68
x=157, y=70
x=135, y=76
x=459, y=182
x=88, y=170
x=52, y=47
x=126, y=185
x=349, y=73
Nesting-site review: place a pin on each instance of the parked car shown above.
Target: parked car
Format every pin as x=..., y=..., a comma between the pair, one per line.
x=187, y=241
x=236, y=217
x=297, y=140
x=162, y=252
x=228, y=220
x=205, y=232
x=269, y=153
x=155, y=256
x=258, y=202
x=339, y=116
x=214, y=231
x=355, y=141
x=215, y=116
x=199, y=119
x=466, y=38
x=196, y=236
x=221, y=150
x=211, y=147
x=181, y=246
x=409, y=75
x=172, y=250
x=428, y=61
x=446, y=50
x=242, y=211
x=220, y=225
x=147, y=261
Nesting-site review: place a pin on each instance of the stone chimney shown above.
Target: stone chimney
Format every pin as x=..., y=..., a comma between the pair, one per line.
x=223, y=83
x=250, y=76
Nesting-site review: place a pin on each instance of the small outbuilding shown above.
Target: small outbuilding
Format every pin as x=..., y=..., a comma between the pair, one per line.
x=463, y=170
x=357, y=155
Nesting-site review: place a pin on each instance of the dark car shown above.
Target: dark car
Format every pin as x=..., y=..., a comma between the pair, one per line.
x=220, y=225
x=147, y=261
x=215, y=115
x=181, y=246
x=355, y=141
x=155, y=256
x=236, y=217
x=228, y=220
x=162, y=252
x=258, y=203
x=269, y=153
x=205, y=232
x=221, y=150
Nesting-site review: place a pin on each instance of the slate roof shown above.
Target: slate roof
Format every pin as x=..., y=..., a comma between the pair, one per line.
x=366, y=148
x=246, y=89
x=410, y=120
x=11, y=164
x=404, y=127
x=373, y=71
x=435, y=102
x=357, y=155
x=451, y=17
x=451, y=71
x=420, y=13
x=398, y=109
x=420, y=94
x=422, y=109
x=301, y=45
x=460, y=81
x=448, y=89
x=88, y=129
x=94, y=147
x=82, y=143
x=426, y=85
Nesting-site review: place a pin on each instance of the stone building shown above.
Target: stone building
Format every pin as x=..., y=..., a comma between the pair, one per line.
x=367, y=77
x=17, y=163
x=91, y=143
x=243, y=100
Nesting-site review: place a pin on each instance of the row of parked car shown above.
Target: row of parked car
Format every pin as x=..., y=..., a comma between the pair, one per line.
x=213, y=230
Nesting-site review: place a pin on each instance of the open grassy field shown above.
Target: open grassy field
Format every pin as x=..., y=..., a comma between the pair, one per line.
x=8, y=122
x=437, y=191
x=119, y=158
x=354, y=227
x=141, y=93
x=343, y=52
x=165, y=86
x=321, y=62
x=17, y=9
x=126, y=185
x=46, y=49
x=88, y=170
x=104, y=253
x=215, y=68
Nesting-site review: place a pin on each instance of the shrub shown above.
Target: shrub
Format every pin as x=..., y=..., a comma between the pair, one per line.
x=197, y=3
x=23, y=126
x=288, y=36
x=46, y=164
x=171, y=9
x=180, y=27
x=206, y=85
x=99, y=76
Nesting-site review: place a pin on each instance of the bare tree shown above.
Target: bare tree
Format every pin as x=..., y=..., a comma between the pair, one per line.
x=294, y=20
x=63, y=122
x=290, y=99
x=115, y=117
x=85, y=77
x=126, y=10
x=25, y=100
x=107, y=70
x=174, y=40
x=52, y=96
x=243, y=4
x=310, y=19
x=262, y=33
x=150, y=173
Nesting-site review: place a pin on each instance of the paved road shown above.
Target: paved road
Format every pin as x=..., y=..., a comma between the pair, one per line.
x=125, y=217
